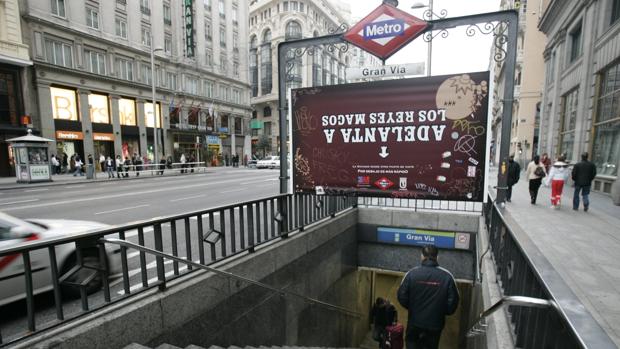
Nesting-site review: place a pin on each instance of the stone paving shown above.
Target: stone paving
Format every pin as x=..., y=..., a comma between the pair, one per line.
x=584, y=247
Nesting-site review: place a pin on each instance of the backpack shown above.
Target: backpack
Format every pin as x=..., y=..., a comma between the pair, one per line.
x=539, y=172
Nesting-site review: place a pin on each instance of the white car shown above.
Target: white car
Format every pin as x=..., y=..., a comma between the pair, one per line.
x=269, y=162
x=14, y=232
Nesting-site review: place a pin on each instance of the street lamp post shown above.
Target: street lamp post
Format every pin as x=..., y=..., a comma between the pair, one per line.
x=155, y=128
x=430, y=42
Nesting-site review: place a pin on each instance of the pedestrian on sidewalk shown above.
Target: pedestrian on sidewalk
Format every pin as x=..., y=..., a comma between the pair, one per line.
x=183, y=161
x=514, y=171
x=119, y=166
x=102, y=162
x=546, y=162
x=55, y=165
x=128, y=164
x=535, y=173
x=583, y=174
x=78, y=166
x=557, y=176
x=72, y=163
x=110, y=167
x=65, y=163
x=429, y=293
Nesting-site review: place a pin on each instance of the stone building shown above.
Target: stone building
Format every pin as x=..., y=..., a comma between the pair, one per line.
x=93, y=77
x=581, y=95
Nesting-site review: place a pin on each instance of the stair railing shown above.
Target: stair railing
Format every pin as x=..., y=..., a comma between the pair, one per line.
x=280, y=291
x=480, y=325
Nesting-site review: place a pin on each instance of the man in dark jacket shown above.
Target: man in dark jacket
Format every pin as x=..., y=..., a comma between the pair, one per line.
x=514, y=170
x=429, y=293
x=583, y=174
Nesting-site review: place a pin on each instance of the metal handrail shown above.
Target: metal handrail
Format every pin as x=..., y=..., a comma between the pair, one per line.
x=229, y=275
x=479, y=326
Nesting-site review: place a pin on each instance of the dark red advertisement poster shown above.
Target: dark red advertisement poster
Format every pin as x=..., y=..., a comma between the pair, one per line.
x=409, y=138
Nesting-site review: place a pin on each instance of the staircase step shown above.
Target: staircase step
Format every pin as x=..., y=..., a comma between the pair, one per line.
x=167, y=346
x=215, y=347
x=135, y=346
x=192, y=346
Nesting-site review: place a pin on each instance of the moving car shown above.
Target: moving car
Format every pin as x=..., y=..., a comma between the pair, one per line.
x=15, y=232
x=269, y=162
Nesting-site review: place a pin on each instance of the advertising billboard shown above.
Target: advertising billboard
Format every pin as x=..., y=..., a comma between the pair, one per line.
x=408, y=138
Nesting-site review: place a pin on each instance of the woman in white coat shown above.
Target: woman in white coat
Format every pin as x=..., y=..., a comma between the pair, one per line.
x=558, y=174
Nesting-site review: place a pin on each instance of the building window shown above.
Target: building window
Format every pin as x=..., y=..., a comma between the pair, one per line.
x=606, y=150
x=285, y=6
x=207, y=5
x=223, y=37
x=146, y=37
x=99, y=111
x=236, y=69
x=145, y=7
x=234, y=15
x=267, y=112
x=317, y=70
x=209, y=58
x=575, y=43
x=568, y=121
x=236, y=96
x=208, y=88
x=265, y=53
x=171, y=78
x=267, y=130
x=95, y=62
x=293, y=31
x=168, y=43
x=64, y=104
x=191, y=84
x=92, y=18
x=222, y=9
x=167, y=15
x=121, y=27
x=208, y=30
x=615, y=12
x=124, y=67
x=235, y=42
x=146, y=74
x=223, y=64
x=58, y=8
x=254, y=65
x=59, y=53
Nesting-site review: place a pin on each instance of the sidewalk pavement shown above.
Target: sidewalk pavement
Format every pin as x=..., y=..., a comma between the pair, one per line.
x=584, y=247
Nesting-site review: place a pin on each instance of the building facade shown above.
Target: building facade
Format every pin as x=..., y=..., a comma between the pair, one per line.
x=274, y=21
x=93, y=76
x=581, y=95
x=14, y=60
x=529, y=78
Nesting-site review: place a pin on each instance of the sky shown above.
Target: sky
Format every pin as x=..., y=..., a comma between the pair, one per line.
x=458, y=53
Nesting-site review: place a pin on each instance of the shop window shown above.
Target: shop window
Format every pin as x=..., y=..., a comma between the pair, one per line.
x=568, y=121
x=606, y=149
x=127, y=112
x=99, y=111
x=64, y=104
x=149, y=121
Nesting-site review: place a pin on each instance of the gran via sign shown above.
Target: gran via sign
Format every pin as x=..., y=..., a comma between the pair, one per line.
x=189, y=28
x=385, y=71
x=385, y=30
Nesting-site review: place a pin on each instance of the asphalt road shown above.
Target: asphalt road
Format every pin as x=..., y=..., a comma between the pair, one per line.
x=122, y=201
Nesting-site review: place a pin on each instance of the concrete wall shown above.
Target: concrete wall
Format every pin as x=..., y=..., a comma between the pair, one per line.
x=402, y=258
x=206, y=309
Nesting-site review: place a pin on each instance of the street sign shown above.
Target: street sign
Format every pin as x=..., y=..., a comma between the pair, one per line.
x=385, y=71
x=423, y=237
x=385, y=31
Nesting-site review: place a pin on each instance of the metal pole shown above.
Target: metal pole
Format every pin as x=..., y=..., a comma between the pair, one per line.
x=430, y=45
x=155, y=160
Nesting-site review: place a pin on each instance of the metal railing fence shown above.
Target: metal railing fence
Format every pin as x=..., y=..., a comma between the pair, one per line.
x=204, y=237
x=422, y=204
x=523, y=271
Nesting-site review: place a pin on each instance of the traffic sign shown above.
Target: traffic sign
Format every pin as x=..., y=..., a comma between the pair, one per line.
x=385, y=31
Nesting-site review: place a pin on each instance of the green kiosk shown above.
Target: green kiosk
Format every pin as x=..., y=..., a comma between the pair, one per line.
x=32, y=162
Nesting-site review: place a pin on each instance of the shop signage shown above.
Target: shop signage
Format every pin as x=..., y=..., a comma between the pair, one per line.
x=109, y=137
x=211, y=139
x=385, y=31
x=421, y=237
x=385, y=71
x=39, y=172
x=406, y=138
x=180, y=126
x=99, y=108
x=189, y=28
x=64, y=104
x=69, y=135
x=256, y=124
x=223, y=129
x=148, y=115
x=127, y=111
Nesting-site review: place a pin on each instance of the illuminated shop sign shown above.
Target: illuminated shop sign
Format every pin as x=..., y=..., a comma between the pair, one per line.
x=99, y=112
x=64, y=104
x=127, y=112
x=148, y=115
x=69, y=135
x=103, y=137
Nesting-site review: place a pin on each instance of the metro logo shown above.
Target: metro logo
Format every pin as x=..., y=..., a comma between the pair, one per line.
x=385, y=30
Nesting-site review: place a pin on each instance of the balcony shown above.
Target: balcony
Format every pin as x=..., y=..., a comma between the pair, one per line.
x=121, y=2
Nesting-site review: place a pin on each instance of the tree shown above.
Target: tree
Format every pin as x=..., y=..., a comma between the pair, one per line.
x=263, y=144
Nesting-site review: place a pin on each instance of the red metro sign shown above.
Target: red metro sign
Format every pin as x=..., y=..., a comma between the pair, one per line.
x=385, y=31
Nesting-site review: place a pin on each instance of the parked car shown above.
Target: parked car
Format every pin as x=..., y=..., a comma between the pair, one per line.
x=269, y=162
x=15, y=232
x=252, y=163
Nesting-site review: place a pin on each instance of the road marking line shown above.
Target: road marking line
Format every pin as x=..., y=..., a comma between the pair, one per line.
x=120, y=209
x=35, y=190
x=134, y=232
x=150, y=281
x=74, y=186
x=18, y=202
x=188, y=198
